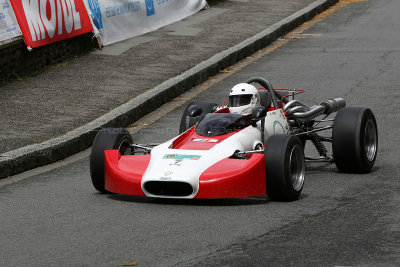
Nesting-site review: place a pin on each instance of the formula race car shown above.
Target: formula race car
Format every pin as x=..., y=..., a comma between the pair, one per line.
x=251, y=145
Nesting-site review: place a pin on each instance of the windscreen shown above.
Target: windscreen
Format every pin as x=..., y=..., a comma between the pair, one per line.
x=214, y=124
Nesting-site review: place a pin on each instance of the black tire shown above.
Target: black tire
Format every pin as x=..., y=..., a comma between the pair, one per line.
x=106, y=139
x=355, y=140
x=284, y=167
x=206, y=107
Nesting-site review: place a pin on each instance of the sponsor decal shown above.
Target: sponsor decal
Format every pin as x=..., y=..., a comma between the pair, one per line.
x=116, y=10
x=119, y=20
x=47, y=21
x=177, y=162
x=160, y=2
x=205, y=140
x=278, y=128
x=150, y=7
x=182, y=157
x=8, y=23
x=167, y=176
x=96, y=11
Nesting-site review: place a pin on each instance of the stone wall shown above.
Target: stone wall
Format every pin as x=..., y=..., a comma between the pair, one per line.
x=17, y=62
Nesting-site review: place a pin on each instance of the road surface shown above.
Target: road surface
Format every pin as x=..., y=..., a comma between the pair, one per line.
x=53, y=216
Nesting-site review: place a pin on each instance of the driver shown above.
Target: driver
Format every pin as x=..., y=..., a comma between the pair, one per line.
x=243, y=98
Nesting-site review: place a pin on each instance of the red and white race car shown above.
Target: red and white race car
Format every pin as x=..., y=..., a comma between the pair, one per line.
x=220, y=154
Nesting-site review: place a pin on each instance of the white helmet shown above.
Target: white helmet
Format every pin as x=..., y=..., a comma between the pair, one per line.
x=243, y=98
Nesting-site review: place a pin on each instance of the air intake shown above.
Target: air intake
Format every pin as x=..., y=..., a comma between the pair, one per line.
x=172, y=189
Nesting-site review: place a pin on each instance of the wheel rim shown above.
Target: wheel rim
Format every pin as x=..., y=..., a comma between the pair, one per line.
x=297, y=167
x=124, y=145
x=370, y=140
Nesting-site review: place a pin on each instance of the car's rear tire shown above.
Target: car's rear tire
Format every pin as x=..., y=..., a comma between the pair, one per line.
x=355, y=140
x=206, y=107
x=106, y=139
x=284, y=167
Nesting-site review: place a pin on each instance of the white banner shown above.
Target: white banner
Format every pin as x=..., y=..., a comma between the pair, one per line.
x=9, y=27
x=118, y=20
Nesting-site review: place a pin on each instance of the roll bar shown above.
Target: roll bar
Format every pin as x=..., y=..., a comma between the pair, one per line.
x=266, y=84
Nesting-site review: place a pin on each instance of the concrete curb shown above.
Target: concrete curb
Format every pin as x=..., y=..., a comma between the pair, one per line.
x=50, y=151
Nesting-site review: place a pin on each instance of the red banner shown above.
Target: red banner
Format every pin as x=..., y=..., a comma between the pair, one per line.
x=47, y=21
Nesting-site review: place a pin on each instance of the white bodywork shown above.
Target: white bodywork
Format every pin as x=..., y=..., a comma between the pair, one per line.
x=182, y=165
x=275, y=123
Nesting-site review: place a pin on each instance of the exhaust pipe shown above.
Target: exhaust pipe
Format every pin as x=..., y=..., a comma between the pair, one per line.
x=333, y=105
x=300, y=112
x=309, y=115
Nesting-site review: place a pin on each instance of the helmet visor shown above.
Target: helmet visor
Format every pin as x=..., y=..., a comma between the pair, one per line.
x=239, y=100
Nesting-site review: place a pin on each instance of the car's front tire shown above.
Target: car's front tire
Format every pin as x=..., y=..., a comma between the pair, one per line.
x=355, y=140
x=284, y=167
x=106, y=139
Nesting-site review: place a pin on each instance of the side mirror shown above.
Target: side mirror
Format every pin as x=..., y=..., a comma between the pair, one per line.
x=195, y=111
x=259, y=112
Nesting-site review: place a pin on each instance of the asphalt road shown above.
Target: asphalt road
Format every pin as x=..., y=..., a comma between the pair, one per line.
x=79, y=90
x=53, y=216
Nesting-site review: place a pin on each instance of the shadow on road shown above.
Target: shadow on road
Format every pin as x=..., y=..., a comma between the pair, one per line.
x=193, y=202
x=313, y=168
